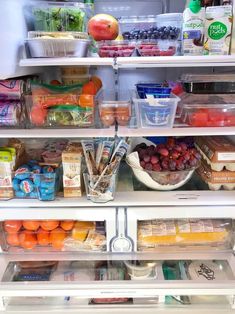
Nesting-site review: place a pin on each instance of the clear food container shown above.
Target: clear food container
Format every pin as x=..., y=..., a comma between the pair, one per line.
x=156, y=233
x=209, y=83
x=170, y=28
x=75, y=70
x=40, y=186
x=53, y=235
x=216, y=115
x=156, y=112
x=57, y=44
x=113, y=111
x=12, y=114
x=137, y=27
x=60, y=106
x=114, y=48
x=100, y=189
x=158, y=47
x=60, y=16
x=75, y=79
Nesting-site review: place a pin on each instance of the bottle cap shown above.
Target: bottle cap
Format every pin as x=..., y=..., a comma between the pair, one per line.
x=195, y=6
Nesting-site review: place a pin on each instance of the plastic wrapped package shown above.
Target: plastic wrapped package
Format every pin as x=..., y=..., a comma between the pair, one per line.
x=217, y=151
x=60, y=106
x=185, y=232
x=86, y=236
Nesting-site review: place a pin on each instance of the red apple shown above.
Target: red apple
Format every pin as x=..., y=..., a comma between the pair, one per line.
x=103, y=27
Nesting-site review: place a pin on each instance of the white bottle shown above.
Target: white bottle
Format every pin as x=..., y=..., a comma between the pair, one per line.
x=193, y=29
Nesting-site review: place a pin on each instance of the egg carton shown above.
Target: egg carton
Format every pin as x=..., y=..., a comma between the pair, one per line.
x=218, y=186
x=217, y=166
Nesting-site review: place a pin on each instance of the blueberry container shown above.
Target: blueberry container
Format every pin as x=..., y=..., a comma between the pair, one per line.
x=153, y=91
x=137, y=27
x=156, y=112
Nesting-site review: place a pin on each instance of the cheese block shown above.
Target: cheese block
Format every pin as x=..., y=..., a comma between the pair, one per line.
x=156, y=233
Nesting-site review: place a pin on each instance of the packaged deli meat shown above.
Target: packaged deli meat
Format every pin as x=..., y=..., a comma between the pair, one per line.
x=216, y=180
x=153, y=234
x=217, y=151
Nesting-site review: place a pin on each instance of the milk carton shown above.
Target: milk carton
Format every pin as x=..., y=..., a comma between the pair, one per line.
x=193, y=28
x=218, y=30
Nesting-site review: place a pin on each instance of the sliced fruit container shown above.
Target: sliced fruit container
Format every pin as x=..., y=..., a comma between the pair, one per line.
x=57, y=44
x=115, y=48
x=152, y=48
x=218, y=115
x=52, y=235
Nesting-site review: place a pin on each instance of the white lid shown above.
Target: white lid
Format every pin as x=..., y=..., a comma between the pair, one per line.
x=170, y=16
x=207, y=78
x=206, y=271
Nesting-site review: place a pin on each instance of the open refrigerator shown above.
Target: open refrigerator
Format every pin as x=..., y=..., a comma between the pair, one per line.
x=123, y=272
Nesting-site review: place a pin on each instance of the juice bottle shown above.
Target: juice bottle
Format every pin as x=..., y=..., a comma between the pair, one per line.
x=193, y=28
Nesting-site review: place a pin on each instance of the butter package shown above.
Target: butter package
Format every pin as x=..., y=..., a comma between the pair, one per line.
x=217, y=151
x=183, y=232
x=71, y=161
x=217, y=180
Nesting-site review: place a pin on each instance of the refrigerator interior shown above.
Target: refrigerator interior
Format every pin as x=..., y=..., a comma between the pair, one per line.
x=72, y=279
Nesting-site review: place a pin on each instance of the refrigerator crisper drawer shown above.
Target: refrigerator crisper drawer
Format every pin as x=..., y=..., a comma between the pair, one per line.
x=61, y=279
x=87, y=234
x=151, y=234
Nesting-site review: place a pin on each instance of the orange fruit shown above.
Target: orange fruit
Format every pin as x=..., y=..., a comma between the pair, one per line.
x=86, y=100
x=31, y=225
x=27, y=239
x=97, y=81
x=67, y=225
x=49, y=225
x=89, y=88
x=13, y=239
x=43, y=237
x=38, y=115
x=12, y=226
x=57, y=237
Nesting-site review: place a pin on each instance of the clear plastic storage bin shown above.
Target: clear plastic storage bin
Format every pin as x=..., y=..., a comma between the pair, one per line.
x=158, y=47
x=156, y=112
x=53, y=235
x=132, y=26
x=113, y=111
x=60, y=16
x=209, y=115
x=114, y=48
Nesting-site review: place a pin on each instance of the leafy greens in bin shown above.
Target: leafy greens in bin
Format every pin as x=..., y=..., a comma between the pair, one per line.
x=54, y=19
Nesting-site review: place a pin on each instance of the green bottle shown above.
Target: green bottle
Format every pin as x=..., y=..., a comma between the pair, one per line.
x=90, y=3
